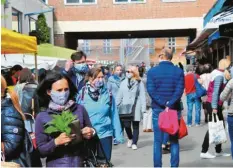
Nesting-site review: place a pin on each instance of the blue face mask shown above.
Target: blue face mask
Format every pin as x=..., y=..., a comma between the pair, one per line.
x=81, y=68
x=99, y=84
x=60, y=98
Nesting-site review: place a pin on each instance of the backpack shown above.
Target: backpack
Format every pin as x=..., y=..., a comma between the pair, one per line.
x=29, y=102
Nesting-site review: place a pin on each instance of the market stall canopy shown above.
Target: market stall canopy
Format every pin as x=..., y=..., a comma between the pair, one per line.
x=50, y=50
x=14, y=43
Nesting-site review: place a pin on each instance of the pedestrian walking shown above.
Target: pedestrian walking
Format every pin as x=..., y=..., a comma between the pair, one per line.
x=76, y=69
x=227, y=92
x=165, y=85
x=56, y=94
x=205, y=80
x=131, y=101
x=113, y=85
x=214, y=106
x=192, y=99
x=104, y=118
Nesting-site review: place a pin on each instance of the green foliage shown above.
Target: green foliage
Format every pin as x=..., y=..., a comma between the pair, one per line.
x=42, y=29
x=60, y=123
x=3, y=2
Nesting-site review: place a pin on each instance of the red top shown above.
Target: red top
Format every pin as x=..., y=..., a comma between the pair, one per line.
x=190, y=83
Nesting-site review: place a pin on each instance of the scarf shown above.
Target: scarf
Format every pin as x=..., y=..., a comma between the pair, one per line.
x=56, y=107
x=131, y=83
x=92, y=92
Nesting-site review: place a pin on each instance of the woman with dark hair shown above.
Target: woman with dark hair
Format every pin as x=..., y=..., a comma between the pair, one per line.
x=101, y=109
x=56, y=94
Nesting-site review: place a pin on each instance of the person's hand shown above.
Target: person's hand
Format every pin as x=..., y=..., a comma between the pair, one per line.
x=69, y=65
x=87, y=132
x=215, y=111
x=62, y=139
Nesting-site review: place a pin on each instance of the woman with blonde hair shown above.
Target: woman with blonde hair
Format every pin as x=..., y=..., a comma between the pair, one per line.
x=214, y=105
x=12, y=127
x=131, y=101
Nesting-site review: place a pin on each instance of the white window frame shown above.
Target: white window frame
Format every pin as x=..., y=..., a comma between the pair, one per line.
x=172, y=44
x=107, y=46
x=86, y=47
x=179, y=0
x=80, y=3
x=129, y=2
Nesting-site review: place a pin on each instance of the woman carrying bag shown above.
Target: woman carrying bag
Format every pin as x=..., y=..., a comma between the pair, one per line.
x=131, y=101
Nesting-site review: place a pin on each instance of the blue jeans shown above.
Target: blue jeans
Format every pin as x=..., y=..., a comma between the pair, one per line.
x=158, y=140
x=230, y=130
x=191, y=100
x=165, y=138
x=107, y=147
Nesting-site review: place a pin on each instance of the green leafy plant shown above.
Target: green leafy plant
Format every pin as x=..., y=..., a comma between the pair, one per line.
x=60, y=123
x=42, y=29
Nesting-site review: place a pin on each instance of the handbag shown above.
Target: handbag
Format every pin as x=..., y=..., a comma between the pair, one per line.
x=128, y=110
x=200, y=90
x=91, y=159
x=183, y=131
x=217, y=133
x=168, y=121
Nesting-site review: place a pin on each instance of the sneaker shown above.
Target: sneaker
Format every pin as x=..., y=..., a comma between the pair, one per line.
x=115, y=142
x=129, y=144
x=189, y=126
x=222, y=154
x=197, y=125
x=207, y=155
x=134, y=147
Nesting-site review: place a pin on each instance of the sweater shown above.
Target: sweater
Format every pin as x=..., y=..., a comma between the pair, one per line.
x=165, y=85
x=227, y=92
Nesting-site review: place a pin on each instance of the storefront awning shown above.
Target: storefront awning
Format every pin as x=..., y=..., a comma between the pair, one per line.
x=226, y=30
x=213, y=11
x=214, y=36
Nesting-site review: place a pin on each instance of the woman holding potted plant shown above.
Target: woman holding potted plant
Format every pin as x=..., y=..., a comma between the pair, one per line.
x=54, y=136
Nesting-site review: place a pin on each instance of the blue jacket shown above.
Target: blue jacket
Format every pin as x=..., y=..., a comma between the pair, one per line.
x=165, y=85
x=103, y=115
x=12, y=131
x=72, y=75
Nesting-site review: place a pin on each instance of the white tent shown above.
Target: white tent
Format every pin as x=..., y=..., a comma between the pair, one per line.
x=28, y=61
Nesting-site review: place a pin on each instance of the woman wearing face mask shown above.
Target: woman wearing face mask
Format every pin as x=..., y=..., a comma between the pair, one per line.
x=113, y=85
x=132, y=89
x=56, y=94
x=97, y=100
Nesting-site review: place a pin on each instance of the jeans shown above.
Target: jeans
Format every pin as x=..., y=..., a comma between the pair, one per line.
x=107, y=147
x=165, y=138
x=132, y=136
x=230, y=130
x=205, y=145
x=191, y=100
x=158, y=140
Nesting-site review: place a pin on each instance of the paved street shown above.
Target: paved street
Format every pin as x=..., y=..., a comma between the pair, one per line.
x=190, y=148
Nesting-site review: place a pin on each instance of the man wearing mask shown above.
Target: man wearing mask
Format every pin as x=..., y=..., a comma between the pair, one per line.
x=165, y=85
x=76, y=69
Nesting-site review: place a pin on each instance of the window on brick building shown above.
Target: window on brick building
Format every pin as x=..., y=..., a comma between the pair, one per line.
x=80, y=1
x=107, y=46
x=129, y=1
x=179, y=0
x=86, y=47
x=151, y=46
x=172, y=43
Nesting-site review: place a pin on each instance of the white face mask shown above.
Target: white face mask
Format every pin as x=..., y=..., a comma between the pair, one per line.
x=129, y=75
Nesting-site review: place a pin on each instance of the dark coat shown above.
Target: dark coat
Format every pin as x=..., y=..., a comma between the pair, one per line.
x=12, y=131
x=60, y=156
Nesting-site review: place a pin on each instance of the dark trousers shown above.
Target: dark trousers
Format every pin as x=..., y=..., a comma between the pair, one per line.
x=205, y=145
x=107, y=148
x=127, y=125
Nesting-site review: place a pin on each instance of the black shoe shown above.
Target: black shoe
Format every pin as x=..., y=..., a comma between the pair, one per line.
x=166, y=150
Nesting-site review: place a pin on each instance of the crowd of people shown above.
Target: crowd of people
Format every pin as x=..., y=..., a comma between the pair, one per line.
x=106, y=102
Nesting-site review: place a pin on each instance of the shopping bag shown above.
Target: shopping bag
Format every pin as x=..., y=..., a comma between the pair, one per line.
x=183, y=131
x=147, y=120
x=217, y=133
x=200, y=90
x=168, y=121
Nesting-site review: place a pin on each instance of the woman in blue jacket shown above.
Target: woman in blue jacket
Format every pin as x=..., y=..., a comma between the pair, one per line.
x=98, y=102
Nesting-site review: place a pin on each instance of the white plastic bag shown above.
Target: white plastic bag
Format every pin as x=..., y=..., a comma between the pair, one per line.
x=217, y=133
x=147, y=120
